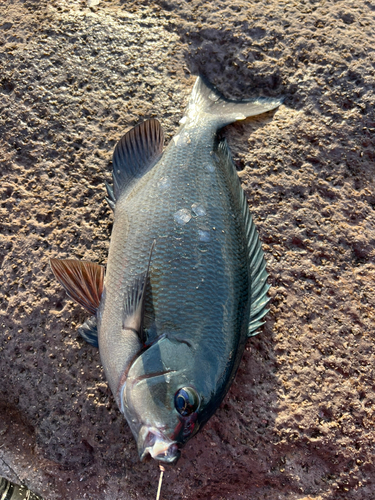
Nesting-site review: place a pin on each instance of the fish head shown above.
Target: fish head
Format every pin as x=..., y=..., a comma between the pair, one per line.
x=159, y=401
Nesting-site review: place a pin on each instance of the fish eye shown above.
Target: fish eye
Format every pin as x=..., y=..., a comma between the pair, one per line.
x=186, y=401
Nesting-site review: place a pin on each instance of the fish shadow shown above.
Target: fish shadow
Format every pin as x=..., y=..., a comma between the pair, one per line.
x=217, y=55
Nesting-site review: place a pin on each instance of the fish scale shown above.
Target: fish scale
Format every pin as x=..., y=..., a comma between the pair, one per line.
x=158, y=219
x=200, y=275
x=185, y=284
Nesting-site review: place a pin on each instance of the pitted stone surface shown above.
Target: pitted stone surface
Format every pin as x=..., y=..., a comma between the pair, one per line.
x=298, y=422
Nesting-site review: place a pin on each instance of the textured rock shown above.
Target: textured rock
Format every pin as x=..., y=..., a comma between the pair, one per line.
x=298, y=421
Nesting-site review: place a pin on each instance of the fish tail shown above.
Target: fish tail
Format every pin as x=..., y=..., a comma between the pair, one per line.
x=206, y=99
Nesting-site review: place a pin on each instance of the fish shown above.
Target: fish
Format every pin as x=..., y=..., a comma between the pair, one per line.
x=12, y=491
x=185, y=283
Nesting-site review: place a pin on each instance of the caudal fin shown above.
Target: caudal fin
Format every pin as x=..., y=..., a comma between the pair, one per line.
x=206, y=99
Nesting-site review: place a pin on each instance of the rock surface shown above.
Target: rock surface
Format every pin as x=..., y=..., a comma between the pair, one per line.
x=298, y=422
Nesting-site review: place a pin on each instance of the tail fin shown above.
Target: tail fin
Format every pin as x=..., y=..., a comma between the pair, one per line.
x=206, y=99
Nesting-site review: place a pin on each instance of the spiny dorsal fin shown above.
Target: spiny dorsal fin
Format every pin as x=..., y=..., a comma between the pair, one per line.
x=257, y=264
x=83, y=281
x=135, y=154
x=134, y=302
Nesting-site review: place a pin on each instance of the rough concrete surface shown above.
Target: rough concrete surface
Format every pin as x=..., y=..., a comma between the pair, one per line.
x=298, y=422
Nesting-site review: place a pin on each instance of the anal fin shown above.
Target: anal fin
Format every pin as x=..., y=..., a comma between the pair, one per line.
x=83, y=281
x=134, y=155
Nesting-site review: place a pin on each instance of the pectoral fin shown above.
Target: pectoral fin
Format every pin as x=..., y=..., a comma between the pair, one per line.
x=134, y=303
x=83, y=281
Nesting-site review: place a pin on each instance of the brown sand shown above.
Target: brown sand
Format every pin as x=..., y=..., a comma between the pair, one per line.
x=298, y=422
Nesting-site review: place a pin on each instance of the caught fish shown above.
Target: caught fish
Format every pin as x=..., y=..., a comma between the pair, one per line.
x=185, y=283
x=11, y=491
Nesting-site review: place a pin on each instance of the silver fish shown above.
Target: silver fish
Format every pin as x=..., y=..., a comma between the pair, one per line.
x=12, y=491
x=185, y=283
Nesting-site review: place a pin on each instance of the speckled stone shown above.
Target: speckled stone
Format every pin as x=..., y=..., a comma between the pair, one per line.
x=298, y=422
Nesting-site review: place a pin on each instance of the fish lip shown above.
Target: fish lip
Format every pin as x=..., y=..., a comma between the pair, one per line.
x=157, y=446
x=171, y=456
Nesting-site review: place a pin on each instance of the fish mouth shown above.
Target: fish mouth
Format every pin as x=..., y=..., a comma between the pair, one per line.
x=151, y=442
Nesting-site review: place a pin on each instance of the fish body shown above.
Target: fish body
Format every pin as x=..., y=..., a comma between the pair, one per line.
x=185, y=283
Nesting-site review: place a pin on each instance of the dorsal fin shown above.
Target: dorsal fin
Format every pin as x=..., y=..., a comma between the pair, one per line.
x=135, y=154
x=83, y=281
x=134, y=302
x=257, y=264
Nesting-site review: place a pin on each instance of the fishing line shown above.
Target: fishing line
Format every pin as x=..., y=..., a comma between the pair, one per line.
x=162, y=469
